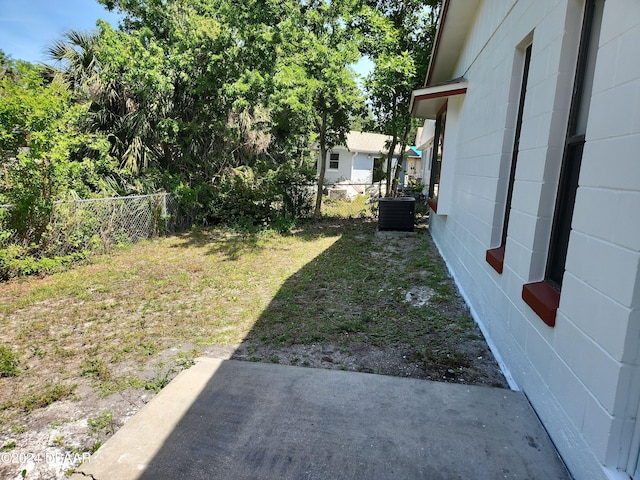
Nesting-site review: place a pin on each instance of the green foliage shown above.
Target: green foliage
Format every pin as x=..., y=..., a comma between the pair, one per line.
x=35, y=120
x=247, y=197
x=96, y=368
x=358, y=207
x=16, y=261
x=158, y=382
x=317, y=90
x=8, y=362
x=398, y=36
x=46, y=157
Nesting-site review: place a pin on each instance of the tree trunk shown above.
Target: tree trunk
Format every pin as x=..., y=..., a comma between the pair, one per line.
x=322, y=163
x=392, y=149
x=396, y=176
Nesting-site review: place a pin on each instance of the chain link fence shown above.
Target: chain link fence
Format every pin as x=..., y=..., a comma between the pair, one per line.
x=101, y=223
x=360, y=200
x=117, y=219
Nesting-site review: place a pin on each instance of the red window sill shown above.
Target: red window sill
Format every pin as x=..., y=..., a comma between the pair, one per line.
x=543, y=299
x=433, y=205
x=495, y=258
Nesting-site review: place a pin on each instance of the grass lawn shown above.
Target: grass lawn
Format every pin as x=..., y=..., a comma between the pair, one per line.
x=200, y=288
x=354, y=208
x=332, y=294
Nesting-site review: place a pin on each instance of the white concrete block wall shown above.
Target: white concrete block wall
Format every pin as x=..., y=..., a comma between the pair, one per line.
x=583, y=376
x=447, y=169
x=610, y=195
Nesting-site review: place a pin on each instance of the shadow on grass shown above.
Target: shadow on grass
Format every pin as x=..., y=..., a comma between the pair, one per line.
x=348, y=308
x=232, y=245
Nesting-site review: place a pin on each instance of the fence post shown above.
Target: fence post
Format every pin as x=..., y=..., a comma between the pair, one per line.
x=164, y=213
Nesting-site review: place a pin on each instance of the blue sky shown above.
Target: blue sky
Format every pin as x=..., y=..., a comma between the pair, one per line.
x=27, y=27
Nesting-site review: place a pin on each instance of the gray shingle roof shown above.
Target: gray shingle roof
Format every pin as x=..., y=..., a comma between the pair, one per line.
x=368, y=142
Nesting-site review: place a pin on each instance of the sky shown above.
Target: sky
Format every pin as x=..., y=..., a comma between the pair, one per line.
x=28, y=27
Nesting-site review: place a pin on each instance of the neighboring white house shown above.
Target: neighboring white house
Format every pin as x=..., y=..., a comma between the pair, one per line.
x=354, y=162
x=412, y=171
x=535, y=196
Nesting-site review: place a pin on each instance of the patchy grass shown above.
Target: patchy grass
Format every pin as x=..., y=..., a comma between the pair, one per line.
x=331, y=294
x=40, y=396
x=7, y=447
x=348, y=309
x=94, y=322
x=357, y=207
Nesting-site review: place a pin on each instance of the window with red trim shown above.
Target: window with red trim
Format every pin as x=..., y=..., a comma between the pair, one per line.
x=544, y=297
x=495, y=256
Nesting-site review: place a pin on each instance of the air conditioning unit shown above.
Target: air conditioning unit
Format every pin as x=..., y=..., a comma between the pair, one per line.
x=396, y=214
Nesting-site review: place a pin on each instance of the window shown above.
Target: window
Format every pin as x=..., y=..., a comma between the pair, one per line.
x=436, y=159
x=544, y=297
x=574, y=143
x=334, y=161
x=495, y=256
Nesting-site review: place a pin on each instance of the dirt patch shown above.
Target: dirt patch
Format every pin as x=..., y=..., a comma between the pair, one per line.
x=397, y=360
x=48, y=443
x=419, y=296
x=59, y=437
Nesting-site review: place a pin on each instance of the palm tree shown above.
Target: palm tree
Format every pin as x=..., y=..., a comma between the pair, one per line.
x=113, y=110
x=76, y=61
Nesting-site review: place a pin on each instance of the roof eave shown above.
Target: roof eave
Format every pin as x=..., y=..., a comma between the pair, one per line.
x=455, y=20
x=427, y=102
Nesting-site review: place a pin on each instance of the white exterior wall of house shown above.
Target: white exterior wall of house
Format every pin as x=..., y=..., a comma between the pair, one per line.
x=356, y=167
x=362, y=167
x=343, y=172
x=583, y=375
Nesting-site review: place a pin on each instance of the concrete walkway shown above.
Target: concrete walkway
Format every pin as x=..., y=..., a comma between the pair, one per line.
x=225, y=419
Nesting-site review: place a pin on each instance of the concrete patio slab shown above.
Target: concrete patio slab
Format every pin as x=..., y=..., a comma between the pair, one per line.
x=225, y=419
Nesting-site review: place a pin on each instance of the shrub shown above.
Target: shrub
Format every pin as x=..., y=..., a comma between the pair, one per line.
x=262, y=195
x=17, y=261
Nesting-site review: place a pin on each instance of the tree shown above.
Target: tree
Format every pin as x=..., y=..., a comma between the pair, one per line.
x=399, y=37
x=244, y=80
x=207, y=89
x=319, y=49
x=75, y=54
x=38, y=126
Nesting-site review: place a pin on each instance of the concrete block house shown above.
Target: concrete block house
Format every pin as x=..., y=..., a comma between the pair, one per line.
x=535, y=196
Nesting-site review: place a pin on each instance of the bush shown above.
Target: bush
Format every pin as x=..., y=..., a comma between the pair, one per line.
x=262, y=195
x=247, y=198
x=18, y=261
x=193, y=204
